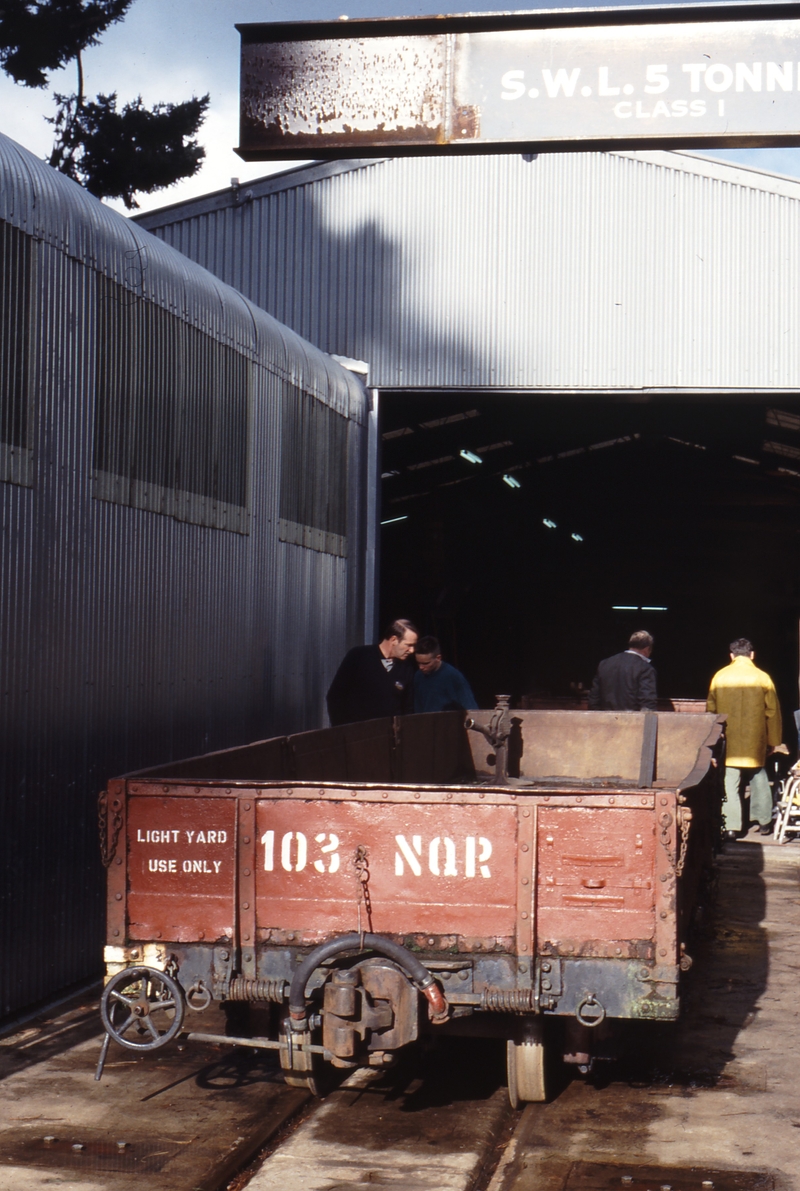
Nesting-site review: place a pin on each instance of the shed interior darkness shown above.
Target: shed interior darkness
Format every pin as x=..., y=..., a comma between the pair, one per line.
x=688, y=505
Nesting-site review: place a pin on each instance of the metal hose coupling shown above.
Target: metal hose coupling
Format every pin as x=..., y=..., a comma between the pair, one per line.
x=356, y=941
x=438, y=1008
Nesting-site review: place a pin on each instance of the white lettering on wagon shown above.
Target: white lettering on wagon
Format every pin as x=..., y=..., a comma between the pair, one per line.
x=170, y=836
x=201, y=866
x=156, y=865
x=411, y=854
x=294, y=852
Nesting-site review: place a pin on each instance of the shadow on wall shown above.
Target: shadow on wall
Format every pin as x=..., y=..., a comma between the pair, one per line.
x=351, y=290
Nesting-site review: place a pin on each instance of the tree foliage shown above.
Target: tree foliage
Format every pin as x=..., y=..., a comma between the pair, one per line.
x=39, y=37
x=113, y=152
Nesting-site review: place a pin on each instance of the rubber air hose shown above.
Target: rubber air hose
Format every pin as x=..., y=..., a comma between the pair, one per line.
x=416, y=971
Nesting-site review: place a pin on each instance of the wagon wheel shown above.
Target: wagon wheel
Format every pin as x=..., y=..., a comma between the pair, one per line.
x=525, y=1061
x=142, y=1008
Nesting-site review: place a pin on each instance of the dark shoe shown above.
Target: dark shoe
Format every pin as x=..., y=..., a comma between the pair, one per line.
x=765, y=829
x=731, y=837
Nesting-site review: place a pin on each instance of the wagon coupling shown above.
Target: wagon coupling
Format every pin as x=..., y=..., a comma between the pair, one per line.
x=416, y=972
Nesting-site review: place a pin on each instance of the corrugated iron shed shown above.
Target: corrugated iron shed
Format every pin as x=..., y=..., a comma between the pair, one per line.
x=589, y=272
x=185, y=545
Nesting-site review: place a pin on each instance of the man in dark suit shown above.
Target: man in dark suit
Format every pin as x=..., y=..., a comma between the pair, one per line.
x=626, y=681
x=375, y=680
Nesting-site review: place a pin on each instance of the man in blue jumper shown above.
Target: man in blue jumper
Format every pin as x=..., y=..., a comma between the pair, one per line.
x=438, y=686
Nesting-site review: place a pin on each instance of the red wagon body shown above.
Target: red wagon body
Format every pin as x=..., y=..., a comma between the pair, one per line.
x=536, y=864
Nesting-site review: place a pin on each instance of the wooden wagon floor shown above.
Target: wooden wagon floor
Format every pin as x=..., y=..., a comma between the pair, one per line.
x=718, y=1092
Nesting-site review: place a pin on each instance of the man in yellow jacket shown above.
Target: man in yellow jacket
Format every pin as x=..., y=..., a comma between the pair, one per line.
x=746, y=695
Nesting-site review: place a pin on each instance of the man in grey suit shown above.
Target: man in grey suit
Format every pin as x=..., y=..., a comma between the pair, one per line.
x=626, y=681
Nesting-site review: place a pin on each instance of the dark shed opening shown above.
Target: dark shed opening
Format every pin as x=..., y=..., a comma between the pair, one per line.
x=678, y=515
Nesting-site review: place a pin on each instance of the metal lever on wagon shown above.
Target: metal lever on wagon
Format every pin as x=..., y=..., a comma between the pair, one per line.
x=497, y=733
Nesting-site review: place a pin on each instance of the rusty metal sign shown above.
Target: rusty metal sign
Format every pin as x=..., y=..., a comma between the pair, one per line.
x=591, y=80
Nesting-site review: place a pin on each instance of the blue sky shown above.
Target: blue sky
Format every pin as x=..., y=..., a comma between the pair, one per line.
x=167, y=50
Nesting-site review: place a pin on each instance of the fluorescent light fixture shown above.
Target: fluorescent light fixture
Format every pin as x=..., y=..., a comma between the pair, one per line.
x=471, y=457
x=550, y=524
x=654, y=608
x=392, y=520
x=512, y=483
x=576, y=537
x=624, y=607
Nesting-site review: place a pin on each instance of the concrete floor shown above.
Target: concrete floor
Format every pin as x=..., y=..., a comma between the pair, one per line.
x=186, y=1118
x=720, y=1091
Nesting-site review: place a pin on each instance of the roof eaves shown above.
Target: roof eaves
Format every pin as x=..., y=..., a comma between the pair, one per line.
x=219, y=200
x=689, y=161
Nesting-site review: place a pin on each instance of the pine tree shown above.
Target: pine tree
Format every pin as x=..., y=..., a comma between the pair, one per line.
x=113, y=152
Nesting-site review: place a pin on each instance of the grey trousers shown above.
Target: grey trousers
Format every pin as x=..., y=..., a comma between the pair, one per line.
x=760, y=796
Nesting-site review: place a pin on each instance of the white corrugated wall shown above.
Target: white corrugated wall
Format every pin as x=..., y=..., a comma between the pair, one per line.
x=574, y=271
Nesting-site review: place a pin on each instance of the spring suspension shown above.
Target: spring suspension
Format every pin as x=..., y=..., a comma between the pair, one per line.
x=242, y=989
x=507, y=1000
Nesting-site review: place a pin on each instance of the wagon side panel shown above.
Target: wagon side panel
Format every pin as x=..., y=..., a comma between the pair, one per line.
x=181, y=867
x=596, y=880
x=444, y=870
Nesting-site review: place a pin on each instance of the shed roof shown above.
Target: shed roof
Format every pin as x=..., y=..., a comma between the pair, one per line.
x=57, y=211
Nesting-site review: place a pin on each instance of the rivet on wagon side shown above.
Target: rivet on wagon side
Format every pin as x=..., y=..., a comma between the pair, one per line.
x=247, y=806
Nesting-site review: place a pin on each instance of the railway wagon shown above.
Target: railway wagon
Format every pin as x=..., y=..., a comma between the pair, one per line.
x=473, y=874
